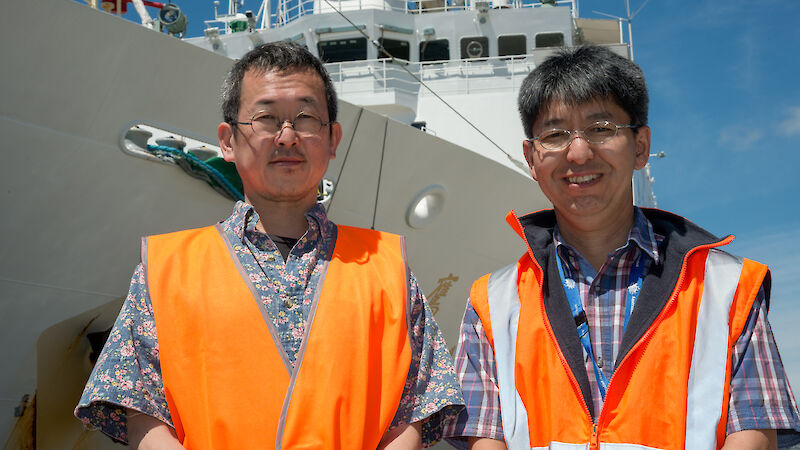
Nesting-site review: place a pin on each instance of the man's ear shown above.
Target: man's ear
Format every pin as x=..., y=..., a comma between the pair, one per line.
x=336, y=137
x=527, y=150
x=225, y=135
x=642, y=147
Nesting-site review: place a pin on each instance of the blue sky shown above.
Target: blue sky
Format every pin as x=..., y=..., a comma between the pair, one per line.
x=725, y=108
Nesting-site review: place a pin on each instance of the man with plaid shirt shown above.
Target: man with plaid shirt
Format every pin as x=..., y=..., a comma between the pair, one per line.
x=620, y=327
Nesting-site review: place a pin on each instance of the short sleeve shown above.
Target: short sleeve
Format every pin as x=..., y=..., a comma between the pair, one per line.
x=760, y=395
x=477, y=373
x=128, y=371
x=431, y=393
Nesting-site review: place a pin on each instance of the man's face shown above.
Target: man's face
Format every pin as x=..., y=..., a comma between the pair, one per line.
x=588, y=182
x=284, y=166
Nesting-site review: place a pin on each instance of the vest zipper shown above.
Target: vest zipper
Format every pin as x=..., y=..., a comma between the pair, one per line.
x=572, y=380
x=645, y=340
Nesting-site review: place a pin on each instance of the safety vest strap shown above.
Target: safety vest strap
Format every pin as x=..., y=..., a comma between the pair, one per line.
x=478, y=297
x=504, y=305
x=562, y=446
x=366, y=290
x=710, y=351
x=603, y=446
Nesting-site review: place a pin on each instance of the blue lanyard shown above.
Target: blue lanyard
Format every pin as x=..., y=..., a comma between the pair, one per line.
x=574, y=298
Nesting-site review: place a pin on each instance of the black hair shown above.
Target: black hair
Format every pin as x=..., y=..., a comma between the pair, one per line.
x=281, y=56
x=579, y=75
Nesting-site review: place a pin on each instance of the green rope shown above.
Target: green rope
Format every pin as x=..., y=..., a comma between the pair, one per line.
x=228, y=185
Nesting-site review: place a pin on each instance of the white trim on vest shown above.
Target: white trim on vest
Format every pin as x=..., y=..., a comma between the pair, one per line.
x=560, y=446
x=504, y=307
x=607, y=446
x=706, y=388
x=603, y=446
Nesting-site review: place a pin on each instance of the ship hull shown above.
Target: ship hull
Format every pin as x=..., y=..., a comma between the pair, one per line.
x=75, y=204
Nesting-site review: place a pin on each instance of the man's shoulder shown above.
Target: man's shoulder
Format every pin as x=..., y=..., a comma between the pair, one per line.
x=354, y=244
x=364, y=231
x=181, y=238
x=682, y=235
x=183, y=233
x=666, y=222
x=366, y=237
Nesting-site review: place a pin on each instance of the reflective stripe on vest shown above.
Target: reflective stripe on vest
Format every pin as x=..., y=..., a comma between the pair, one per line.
x=227, y=381
x=603, y=446
x=706, y=394
x=710, y=352
x=504, y=312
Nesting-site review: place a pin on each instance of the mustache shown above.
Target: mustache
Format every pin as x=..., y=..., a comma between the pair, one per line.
x=287, y=153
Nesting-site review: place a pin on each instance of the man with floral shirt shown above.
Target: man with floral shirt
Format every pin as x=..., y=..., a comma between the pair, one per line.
x=275, y=327
x=619, y=327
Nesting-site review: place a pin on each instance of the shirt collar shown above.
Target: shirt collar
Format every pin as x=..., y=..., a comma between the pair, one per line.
x=641, y=234
x=244, y=219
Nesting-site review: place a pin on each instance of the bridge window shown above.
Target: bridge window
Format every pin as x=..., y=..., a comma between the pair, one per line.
x=434, y=50
x=474, y=47
x=510, y=45
x=549, y=40
x=339, y=50
x=397, y=48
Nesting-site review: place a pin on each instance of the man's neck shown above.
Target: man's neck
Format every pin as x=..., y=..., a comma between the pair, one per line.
x=595, y=239
x=285, y=219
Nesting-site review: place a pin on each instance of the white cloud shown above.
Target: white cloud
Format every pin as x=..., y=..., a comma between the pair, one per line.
x=740, y=137
x=722, y=14
x=715, y=14
x=791, y=125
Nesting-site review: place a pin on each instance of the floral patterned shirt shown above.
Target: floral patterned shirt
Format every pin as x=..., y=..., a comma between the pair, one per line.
x=128, y=371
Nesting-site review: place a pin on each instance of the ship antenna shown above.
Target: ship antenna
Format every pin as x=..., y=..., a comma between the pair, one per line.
x=403, y=64
x=628, y=18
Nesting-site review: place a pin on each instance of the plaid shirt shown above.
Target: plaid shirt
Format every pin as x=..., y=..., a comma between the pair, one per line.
x=760, y=394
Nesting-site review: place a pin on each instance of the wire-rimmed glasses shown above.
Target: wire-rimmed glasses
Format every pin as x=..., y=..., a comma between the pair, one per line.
x=264, y=123
x=596, y=133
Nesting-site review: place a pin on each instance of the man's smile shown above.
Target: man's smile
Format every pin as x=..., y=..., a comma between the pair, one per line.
x=582, y=179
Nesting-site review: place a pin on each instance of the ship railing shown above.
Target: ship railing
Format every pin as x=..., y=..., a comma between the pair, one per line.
x=454, y=76
x=498, y=73
x=377, y=75
x=289, y=11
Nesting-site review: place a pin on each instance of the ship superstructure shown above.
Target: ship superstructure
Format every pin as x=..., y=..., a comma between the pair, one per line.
x=470, y=55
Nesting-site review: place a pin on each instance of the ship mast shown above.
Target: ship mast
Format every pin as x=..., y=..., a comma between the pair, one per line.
x=629, y=18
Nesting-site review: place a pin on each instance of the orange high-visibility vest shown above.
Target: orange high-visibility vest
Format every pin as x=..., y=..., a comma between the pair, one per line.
x=229, y=384
x=671, y=389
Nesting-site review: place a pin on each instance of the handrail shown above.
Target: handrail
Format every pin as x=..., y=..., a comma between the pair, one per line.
x=288, y=12
x=464, y=75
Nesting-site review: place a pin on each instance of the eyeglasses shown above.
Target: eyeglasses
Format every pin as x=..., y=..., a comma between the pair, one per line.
x=596, y=133
x=264, y=123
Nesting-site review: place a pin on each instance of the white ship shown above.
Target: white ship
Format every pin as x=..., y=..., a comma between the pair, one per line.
x=440, y=163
